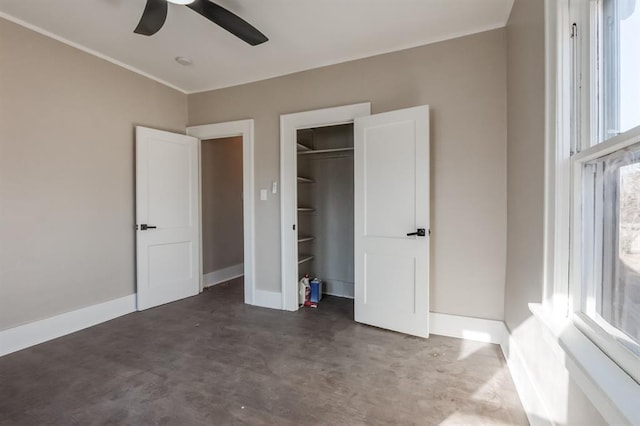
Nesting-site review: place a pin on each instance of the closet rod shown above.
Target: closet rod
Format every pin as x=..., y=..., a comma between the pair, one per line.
x=323, y=151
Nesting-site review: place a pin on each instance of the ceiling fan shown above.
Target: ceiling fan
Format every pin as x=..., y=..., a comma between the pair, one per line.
x=155, y=13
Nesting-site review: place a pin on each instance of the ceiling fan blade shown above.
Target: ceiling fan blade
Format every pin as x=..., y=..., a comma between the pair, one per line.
x=229, y=21
x=153, y=17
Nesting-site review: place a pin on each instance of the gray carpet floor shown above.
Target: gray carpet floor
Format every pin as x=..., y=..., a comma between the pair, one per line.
x=211, y=360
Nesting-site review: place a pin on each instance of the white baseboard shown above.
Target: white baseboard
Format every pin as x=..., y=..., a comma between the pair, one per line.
x=477, y=329
x=222, y=275
x=482, y=330
x=338, y=288
x=23, y=336
x=268, y=299
x=492, y=331
x=338, y=295
x=529, y=396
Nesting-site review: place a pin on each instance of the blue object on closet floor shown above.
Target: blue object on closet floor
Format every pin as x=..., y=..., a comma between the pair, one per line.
x=316, y=290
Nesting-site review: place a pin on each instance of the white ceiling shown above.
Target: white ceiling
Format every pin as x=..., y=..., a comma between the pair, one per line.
x=303, y=34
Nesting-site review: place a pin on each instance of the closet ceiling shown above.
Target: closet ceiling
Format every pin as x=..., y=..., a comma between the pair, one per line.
x=303, y=34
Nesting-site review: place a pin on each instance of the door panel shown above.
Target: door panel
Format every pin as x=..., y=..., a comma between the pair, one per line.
x=166, y=198
x=382, y=272
x=172, y=262
x=390, y=180
x=169, y=187
x=391, y=200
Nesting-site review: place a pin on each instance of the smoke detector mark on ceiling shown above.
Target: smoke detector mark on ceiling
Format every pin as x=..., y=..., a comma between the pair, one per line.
x=183, y=61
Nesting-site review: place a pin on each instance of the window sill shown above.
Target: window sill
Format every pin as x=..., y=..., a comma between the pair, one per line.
x=612, y=391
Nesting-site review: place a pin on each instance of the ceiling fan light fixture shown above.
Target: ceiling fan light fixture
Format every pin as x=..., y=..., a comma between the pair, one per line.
x=155, y=14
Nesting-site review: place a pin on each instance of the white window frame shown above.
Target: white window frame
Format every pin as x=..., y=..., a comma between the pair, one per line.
x=585, y=90
x=602, y=338
x=610, y=388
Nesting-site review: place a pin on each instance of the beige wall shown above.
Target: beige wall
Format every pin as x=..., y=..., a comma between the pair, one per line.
x=463, y=80
x=222, y=236
x=66, y=164
x=525, y=159
x=67, y=174
x=562, y=401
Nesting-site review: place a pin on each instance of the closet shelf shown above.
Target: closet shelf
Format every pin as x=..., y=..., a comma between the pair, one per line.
x=304, y=180
x=305, y=209
x=303, y=147
x=323, y=151
x=303, y=238
x=302, y=258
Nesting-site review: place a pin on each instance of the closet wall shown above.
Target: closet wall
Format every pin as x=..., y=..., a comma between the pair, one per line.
x=222, y=217
x=330, y=195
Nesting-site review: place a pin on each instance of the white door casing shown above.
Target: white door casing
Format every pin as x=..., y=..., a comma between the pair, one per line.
x=168, y=256
x=289, y=125
x=245, y=129
x=391, y=166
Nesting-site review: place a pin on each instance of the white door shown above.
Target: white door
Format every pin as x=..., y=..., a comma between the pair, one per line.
x=167, y=241
x=392, y=201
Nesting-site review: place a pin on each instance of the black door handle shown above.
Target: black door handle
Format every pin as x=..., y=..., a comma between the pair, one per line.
x=420, y=232
x=144, y=227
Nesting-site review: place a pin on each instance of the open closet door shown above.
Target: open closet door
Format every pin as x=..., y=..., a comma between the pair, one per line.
x=167, y=239
x=392, y=220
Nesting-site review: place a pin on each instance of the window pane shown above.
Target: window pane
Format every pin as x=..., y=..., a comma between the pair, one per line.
x=621, y=67
x=611, y=249
x=626, y=302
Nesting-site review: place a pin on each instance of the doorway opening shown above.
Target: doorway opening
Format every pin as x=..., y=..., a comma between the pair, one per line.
x=221, y=210
x=323, y=134
x=386, y=186
x=325, y=207
x=233, y=131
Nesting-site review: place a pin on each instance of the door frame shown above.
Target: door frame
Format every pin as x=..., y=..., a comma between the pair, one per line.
x=289, y=125
x=245, y=129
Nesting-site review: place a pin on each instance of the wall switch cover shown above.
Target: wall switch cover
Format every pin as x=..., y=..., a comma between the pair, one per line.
x=263, y=195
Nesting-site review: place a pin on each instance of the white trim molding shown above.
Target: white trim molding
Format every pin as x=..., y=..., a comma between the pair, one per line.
x=90, y=51
x=34, y=333
x=223, y=275
x=557, y=146
x=496, y=332
x=477, y=329
x=289, y=125
x=612, y=391
x=244, y=128
x=530, y=396
x=268, y=299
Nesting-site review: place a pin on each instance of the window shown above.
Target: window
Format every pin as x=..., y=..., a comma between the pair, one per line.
x=604, y=153
x=611, y=245
x=620, y=53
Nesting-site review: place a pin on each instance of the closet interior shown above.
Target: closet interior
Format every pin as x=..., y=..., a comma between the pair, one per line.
x=325, y=200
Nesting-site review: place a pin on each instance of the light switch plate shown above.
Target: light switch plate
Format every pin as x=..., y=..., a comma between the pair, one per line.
x=263, y=195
